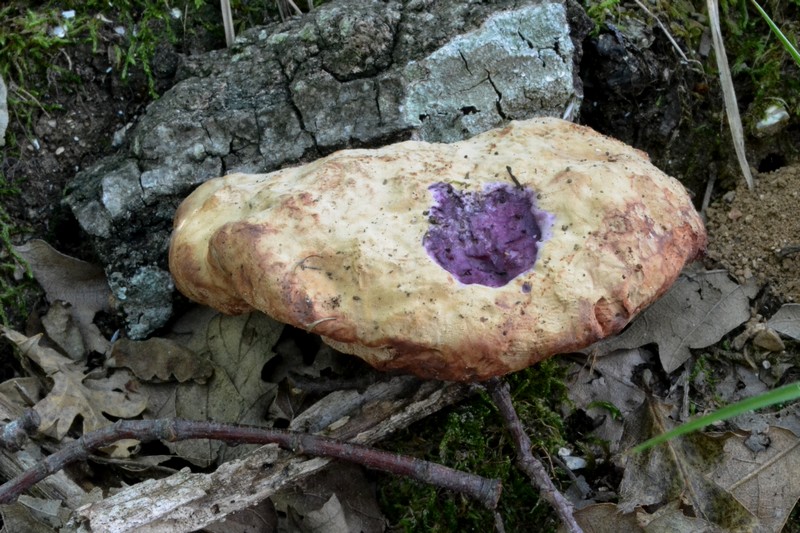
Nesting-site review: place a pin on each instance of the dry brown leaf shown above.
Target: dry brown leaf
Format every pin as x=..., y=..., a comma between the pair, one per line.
x=695, y=313
x=710, y=483
x=677, y=471
x=45, y=357
x=338, y=499
x=51, y=512
x=604, y=518
x=766, y=482
x=237, y=347
x=159, y=358
x=18, y=394
x=62, y=329
x=607, y=379
x=74, y=393
x=261, y=517
x=71, y=280
x=787, y=321
x=671, y=519
x=17, y=517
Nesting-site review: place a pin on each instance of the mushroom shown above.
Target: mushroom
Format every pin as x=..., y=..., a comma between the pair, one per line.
x=458, y=261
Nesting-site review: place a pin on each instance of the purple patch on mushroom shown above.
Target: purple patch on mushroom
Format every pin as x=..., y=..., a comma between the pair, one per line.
x=487, y=237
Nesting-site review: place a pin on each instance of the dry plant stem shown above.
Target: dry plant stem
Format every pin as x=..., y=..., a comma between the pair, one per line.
x=487, y=491
x=728, y=92
x=227, y=22
x=786, y=251
x=535, y=470
x=668, y=35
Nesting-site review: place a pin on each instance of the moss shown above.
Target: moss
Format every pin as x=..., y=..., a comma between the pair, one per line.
x=35, y=43
x=13, y=292
x=471, y=437
x=599, y=12
x=762, y=68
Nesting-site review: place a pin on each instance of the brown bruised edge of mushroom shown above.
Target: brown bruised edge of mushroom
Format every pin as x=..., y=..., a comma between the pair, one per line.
x=457, y=261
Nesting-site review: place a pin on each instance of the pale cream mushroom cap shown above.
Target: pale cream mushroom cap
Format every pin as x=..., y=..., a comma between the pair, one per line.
x=336, y=246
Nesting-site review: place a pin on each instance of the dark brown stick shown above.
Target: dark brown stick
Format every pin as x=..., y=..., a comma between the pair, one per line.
x=526, y=461
x=487, y=491
x=786, y=251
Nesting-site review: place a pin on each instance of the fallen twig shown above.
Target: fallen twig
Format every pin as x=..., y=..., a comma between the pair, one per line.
x=786, y=251
x=487, y=491
x=526, y=461
x=15, y=433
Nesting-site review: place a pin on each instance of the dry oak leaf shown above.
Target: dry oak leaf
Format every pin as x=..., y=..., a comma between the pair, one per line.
x=696, y=312
x=766, y=481
x=162, y=359
x=71, y=280
x=236, y=349
x=787, y=321
x=677, y=471
x=456, y=261
x=74, y=393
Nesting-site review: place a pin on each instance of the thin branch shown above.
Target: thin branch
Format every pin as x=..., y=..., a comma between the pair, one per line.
x=668, y=35
x=487, y=491
x=297, y=10
x=526, y=461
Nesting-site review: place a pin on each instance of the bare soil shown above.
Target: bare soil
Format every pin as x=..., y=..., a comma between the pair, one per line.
x=756, y=234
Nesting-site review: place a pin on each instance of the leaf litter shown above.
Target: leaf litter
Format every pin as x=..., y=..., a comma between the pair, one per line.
x=236, y=348
x=787, y=321
x=76, y=393
x=696, y=312
x=740, y=475
x=81, y=284
x=159, y=359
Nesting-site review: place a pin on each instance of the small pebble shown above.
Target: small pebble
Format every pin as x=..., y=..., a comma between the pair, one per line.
x=735, y=214
x=769, y=340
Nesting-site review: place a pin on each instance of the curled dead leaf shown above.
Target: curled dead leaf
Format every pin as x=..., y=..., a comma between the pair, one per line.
x=75, y=393
x=71, y=280
x=160, y=359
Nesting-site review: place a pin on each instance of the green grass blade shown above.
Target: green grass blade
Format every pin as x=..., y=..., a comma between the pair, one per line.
x=778, y=33
x=779, y=395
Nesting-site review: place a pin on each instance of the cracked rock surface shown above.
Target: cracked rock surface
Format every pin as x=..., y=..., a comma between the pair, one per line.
x=353, y=73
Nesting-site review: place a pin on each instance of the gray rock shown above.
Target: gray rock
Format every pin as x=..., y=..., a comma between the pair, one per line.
x=145, y=297
x=351, y=73
x=517, y=64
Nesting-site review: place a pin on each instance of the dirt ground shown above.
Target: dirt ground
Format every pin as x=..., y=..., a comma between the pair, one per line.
x=76, y=130
x=756, y=234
